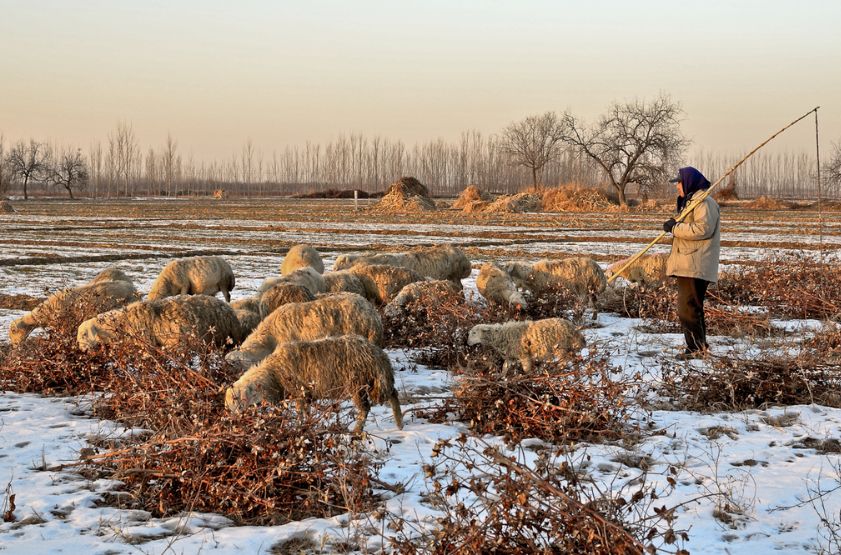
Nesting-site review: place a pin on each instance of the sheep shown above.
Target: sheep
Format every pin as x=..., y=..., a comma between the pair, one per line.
x=305, y=277
x=251, y=304
x=281, y=294
x=301, y=256
x=327, y=368
x=70, y=307
x=649, y=269
x=436, y=290
x=110, y=274
x=528, y=341
x=339, y=314
x=164, y=322
x=497, y=286
x=343, y=281
x=197, y=275
x=382, y=282
x=438, y=262
x=248, y=320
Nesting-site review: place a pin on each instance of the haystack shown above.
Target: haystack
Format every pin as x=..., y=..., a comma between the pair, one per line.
x=220, y=194
x=575, y=198
x=515, y=204
x=767, y=203
x=6, y=207
x=405, y=195
x=470, y=196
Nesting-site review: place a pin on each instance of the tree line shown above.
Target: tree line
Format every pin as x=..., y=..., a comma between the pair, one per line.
x=634, y=146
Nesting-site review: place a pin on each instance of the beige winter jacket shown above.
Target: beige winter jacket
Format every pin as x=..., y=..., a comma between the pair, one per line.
x=696, y=245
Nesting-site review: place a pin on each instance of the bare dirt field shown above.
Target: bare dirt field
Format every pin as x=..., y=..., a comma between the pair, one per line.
x=740, y=477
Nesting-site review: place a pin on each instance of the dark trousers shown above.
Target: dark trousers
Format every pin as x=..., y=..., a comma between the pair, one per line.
x=690, y=311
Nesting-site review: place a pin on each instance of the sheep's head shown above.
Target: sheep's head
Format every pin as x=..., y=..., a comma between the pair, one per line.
x=478, y=334
x=577, y=343
x=18, y=330
x=111, y=274
x=90, y=334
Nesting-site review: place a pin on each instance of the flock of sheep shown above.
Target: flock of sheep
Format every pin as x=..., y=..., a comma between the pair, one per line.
x=308, y=334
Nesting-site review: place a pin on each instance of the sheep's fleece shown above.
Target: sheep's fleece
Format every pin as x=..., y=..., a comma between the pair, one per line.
x=197, y=275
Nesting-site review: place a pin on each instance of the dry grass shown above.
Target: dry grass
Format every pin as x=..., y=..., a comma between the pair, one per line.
x=768, y=203
x=577, y=198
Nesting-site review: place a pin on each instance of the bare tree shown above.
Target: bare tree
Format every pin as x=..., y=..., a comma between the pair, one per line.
x=126, y=153
x=832, y=168
x=634, y=142
x=28, y=163
x=5, y=181
x=533, y=142
x=171, y=163
x=70, y=171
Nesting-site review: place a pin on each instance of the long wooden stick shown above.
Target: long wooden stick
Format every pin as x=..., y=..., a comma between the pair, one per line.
x=699, y=198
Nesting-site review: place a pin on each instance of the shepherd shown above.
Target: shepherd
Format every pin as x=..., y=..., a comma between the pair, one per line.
x=693, y=261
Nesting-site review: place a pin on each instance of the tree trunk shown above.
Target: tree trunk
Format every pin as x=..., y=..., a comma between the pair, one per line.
x=534, y=178
x=25, y=183
x=621, y=190
x=69, y=190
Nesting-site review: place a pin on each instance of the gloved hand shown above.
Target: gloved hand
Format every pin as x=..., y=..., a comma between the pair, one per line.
x=669, y=225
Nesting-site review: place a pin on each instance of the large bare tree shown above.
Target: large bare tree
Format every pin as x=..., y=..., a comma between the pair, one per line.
x=29, y=162
x=533, y=142
x=635, y=142
x=832, y=168
x=70, y=171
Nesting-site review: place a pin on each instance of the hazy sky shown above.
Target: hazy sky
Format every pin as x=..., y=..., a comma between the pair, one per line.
x=214, y=73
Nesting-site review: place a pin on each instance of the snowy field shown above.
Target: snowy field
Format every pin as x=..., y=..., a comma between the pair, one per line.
x=764, y=460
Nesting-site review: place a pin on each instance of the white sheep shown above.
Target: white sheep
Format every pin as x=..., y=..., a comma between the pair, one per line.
x=281, y=294
x=110, y=274
x=580, y=275
x=528, y=341
x=305, y=277
x=343, y=281
x=301, y=256
x=339, y=314
x=164, y=322
x=431, y=291
x=70, y=307
x=329, y=368
x=649, y=269
x=497, y=286
x=438, y=262
x=382, y=282
x=197, y=275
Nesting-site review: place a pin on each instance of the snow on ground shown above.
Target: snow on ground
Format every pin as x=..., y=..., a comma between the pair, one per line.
x=765, y=460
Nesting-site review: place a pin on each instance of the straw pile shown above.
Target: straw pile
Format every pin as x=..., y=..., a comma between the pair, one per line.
x=469, y=196
x=575, y=198
x=511, y=204
x=768, y=203
x=6, y=207
x=405, y=195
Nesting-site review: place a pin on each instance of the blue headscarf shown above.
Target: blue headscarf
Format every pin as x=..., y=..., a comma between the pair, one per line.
x=693, y=181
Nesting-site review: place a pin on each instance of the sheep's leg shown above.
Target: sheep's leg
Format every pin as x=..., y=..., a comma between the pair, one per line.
x=363, y=405
x=227, y=295
x=395, y=408
x=527, y=364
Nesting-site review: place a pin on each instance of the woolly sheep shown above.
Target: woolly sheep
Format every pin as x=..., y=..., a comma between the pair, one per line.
x=281, y=294
x=497, y=286
x=343, y=281
x=251, y=304
x=648, y=269
x=437, y=290
x=73, y=306
x=110, y=274
x=305, y=277
x=197, y=275
x=528, y=341
x=580, y=275
x=248, y=320
x=438, y=262
x=382, y=282
x=339, y=314
x=164, y=322
x=328, y=368
x=301, y=256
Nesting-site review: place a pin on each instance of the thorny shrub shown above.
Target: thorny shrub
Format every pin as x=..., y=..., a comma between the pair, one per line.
x=560, y=402
x=438, y=328
x=264, y=465
x=749, y=380
x=491, y=502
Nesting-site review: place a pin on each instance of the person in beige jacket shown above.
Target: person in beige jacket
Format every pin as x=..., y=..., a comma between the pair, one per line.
x=693, y=261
